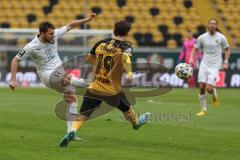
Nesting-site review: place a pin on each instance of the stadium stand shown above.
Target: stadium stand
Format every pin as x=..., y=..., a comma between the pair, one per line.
x=229, y=10
x=158, y=23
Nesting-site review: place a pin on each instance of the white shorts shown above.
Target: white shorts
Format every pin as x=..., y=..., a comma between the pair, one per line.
x=207, y=74
x=53, y=79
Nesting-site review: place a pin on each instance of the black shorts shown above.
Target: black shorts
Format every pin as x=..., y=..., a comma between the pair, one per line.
x=92, y=101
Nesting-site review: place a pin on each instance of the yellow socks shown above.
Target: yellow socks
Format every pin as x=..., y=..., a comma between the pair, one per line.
x=77, y=123
x=131, y=116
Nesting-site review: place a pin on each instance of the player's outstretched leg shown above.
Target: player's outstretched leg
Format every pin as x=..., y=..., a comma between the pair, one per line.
x=78, y=82
x=74, y=81
x=143, y=119
x=136, y=122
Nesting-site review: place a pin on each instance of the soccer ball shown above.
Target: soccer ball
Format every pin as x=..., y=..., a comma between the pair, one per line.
x=183, y=71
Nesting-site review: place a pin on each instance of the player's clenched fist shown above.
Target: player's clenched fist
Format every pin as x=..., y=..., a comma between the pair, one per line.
x=225, y=65
x=12, y=85
x=91, y=16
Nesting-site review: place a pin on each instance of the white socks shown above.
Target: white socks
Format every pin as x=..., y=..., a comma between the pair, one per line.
x=78, y=82
x=203, y=102
x=71, y=114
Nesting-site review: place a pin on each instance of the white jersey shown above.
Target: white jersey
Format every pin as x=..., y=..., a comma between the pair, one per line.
x=213, y=46
x=44, y=55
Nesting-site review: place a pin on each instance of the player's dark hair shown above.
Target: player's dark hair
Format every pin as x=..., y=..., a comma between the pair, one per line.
x=44, y=26
x=121, y=28
x=214, y=19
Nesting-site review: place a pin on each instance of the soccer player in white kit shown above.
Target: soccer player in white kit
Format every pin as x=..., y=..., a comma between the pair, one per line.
x=213, y=44
x=43, y=51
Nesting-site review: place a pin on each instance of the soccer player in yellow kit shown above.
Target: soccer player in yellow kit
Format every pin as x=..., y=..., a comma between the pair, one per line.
x=110, y=59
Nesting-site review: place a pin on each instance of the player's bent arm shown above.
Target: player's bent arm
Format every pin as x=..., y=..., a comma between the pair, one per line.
x=127, y=64
x=14, y=67
x=77, y=23
x=227, y=55
x=182, y=55
x=193, y=53
x=91, y=59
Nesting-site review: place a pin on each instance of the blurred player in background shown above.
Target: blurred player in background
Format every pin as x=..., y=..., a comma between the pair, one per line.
x=43, y=51
x=110, y=59
x=213, y=44
x=185, y=54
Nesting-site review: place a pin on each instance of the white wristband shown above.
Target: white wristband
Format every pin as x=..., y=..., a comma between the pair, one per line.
x=225, y=61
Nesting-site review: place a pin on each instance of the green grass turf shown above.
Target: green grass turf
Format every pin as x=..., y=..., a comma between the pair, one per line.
x=29, y=129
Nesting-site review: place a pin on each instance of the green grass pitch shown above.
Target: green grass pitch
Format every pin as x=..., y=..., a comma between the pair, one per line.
x=29, y=129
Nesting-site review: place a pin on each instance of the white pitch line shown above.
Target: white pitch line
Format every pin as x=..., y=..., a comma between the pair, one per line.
x=172, y=103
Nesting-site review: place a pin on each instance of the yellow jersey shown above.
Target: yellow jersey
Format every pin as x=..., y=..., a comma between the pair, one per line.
x=108, y=68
